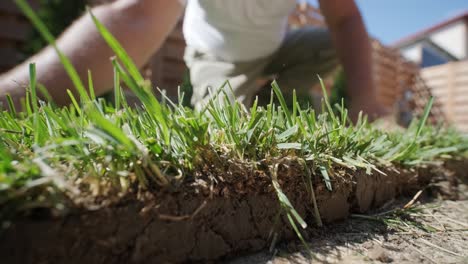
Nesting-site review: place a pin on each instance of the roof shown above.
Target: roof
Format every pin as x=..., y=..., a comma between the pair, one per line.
x=423, y=33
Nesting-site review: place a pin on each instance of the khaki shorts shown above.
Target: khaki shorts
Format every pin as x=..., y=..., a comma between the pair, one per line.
x=304, y=54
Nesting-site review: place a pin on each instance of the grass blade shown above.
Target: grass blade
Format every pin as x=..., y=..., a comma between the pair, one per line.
x=282, y=102
x=92, y=95
x=326, y=177
x=327, y=101
x=117, y=90
x=119, y=51
x=11, y=105
x=32, y=85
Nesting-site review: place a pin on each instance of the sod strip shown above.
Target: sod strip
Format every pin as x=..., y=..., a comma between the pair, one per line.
x=203, y=222
x=107, y=183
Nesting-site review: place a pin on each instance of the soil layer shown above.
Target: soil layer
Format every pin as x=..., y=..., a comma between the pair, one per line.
x=358, y=240
x=220, y=215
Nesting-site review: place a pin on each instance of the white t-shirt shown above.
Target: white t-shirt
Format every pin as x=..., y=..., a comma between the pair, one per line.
x=237, y=30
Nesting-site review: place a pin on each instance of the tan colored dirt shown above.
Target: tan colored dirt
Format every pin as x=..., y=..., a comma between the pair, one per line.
x=362, y=241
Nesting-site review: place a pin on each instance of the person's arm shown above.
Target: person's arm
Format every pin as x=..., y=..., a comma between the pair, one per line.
x=140, y=25
x=354, y=51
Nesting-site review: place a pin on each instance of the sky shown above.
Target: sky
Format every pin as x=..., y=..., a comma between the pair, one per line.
x=391, y=20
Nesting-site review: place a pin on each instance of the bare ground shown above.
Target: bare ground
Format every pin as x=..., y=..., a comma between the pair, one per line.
x=437, y=233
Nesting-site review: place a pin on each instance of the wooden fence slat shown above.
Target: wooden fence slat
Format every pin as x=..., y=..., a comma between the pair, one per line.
x=9, y=7
x=13, y=29
x=9, y=57
x=449, y=82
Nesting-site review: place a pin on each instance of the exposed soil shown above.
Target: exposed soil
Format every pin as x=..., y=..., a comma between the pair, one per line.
x=224, y=213
x=365, y=241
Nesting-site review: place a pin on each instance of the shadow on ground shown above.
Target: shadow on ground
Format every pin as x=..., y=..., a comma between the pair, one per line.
x=436, y=231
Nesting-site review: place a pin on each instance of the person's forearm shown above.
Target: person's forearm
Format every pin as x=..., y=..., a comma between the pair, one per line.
x=354, y=51
x=140, y=25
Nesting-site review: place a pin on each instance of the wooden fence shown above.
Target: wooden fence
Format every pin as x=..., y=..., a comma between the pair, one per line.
x=393, y=74
x=449, y=83
x=14, y=30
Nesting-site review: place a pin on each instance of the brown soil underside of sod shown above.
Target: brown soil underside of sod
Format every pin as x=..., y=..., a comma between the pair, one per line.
x=202, y=222
x=357, y=240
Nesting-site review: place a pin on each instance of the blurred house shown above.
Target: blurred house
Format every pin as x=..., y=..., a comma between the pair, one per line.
x=442, y=53
x=444, y=42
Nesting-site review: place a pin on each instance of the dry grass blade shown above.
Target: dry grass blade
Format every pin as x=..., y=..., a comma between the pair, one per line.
x=415, y=198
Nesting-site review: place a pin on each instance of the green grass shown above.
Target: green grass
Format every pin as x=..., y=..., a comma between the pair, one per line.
x=50, y=153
